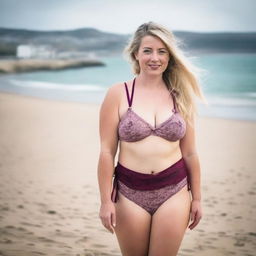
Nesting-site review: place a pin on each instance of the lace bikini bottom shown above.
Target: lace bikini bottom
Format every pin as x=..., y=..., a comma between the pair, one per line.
x=150, y=191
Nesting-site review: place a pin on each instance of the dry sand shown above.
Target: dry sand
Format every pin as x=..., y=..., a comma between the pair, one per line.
x=49, y=197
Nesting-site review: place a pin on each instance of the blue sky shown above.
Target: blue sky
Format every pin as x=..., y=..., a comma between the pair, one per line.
x=123, y=16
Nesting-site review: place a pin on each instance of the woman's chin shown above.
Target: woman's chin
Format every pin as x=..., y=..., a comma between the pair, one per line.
x=154, y=72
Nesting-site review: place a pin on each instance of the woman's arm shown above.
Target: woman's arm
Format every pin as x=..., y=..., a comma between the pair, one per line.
x=108, y=123
x=189, y=153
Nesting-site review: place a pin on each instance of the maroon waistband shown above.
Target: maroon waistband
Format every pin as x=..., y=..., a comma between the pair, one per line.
x=141, y=181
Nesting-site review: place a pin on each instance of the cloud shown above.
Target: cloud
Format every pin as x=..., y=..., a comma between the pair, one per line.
x=125, y=16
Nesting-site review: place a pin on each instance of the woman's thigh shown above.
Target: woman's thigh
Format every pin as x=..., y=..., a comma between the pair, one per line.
x=169, y=224
x=132, y=227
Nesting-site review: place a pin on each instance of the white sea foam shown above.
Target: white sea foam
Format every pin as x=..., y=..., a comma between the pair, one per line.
x=246, y=99
x=250, y=94
x=56, y=86
x=232, y=101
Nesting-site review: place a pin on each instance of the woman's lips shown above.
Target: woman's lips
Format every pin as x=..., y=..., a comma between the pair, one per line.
x=154, y=66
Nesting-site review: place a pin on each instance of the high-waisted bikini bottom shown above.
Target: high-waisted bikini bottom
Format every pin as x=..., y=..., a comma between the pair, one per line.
x=150, y=191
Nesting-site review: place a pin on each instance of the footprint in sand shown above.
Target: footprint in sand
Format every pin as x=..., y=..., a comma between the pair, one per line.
x=251, y=233
x=83, y=240
x=46, y=240
x=19, y=229
x=30, y=224
x=9, y=227
x=38, y=253
x=51, y=212
x=65, y=234
x=4, y=208
x=6, y=241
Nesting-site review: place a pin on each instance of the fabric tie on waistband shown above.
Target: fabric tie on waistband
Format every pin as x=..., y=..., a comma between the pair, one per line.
x=114, y=194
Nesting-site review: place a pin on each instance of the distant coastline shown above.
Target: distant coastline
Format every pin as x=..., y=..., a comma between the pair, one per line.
x=99, y=43
x=27, y=65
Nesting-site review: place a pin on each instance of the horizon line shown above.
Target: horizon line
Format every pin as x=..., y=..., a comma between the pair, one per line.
x=112, y=32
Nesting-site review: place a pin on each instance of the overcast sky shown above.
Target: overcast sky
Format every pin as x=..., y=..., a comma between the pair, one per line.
x=124, y=16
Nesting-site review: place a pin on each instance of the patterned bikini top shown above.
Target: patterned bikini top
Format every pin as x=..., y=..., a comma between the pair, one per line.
x=134, y=128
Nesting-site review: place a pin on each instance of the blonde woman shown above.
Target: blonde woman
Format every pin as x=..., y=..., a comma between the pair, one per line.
x=156, y=187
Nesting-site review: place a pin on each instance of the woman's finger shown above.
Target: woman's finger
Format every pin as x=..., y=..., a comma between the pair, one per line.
x=196, y=221
x=192, y=215
x=109, y=224
x=106, y=222
x=113, y=219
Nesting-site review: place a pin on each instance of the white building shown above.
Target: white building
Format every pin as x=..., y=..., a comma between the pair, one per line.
x=26, y=51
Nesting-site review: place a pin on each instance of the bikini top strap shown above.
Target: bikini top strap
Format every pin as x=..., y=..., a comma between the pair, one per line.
x=174, y=102
x=127, y=93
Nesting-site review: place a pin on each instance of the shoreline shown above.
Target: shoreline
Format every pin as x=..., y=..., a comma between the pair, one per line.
x=49, y=192
x=97, y=102
x=28, y=65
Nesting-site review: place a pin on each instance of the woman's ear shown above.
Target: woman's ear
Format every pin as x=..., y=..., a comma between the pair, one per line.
x=136, y=55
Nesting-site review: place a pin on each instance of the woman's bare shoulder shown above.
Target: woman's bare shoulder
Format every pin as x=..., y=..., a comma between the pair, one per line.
x=114, y=94
x=116, y=88
x=119, y=86
x=115, y=91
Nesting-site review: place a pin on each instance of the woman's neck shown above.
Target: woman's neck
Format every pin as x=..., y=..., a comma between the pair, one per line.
x=154, y=81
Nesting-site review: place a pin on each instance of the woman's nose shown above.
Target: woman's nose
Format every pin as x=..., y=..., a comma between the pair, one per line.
x=154, y=56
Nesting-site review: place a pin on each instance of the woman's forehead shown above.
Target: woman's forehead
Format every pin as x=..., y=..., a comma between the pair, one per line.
x=152, y=42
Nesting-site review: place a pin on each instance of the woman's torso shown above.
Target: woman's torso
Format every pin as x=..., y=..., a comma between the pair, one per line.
x=153, y=153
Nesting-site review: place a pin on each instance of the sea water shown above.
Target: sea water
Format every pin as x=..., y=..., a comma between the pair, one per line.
x=228, y=83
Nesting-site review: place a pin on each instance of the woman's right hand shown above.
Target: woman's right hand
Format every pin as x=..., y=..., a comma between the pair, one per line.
x=108, y=216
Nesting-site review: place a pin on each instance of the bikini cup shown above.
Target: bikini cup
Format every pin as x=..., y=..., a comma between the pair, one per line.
x=133, y=127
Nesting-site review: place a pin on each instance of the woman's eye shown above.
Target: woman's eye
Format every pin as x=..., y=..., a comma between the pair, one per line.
x=160, y=52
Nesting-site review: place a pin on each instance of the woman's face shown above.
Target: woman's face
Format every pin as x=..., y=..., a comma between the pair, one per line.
x=153, y=56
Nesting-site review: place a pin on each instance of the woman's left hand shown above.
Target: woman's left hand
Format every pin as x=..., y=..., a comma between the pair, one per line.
x=195, y=213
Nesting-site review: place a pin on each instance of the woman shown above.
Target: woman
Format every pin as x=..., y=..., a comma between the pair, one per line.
x=151, y=117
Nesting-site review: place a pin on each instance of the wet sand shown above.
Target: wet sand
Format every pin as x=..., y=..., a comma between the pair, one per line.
x=49, y=197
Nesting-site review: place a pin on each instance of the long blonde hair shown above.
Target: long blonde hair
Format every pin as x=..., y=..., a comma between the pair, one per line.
x=180, y=75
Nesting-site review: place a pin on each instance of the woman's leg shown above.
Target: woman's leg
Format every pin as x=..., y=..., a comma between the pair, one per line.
x=132, y=227
x=169, y=224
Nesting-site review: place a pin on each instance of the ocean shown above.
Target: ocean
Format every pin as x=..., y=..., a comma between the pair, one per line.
x=229, y=83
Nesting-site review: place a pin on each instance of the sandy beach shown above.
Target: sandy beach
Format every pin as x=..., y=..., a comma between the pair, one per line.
x=49, y=199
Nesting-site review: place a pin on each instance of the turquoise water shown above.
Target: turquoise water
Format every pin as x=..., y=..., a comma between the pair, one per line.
x=230, y=75
x=229, y=83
